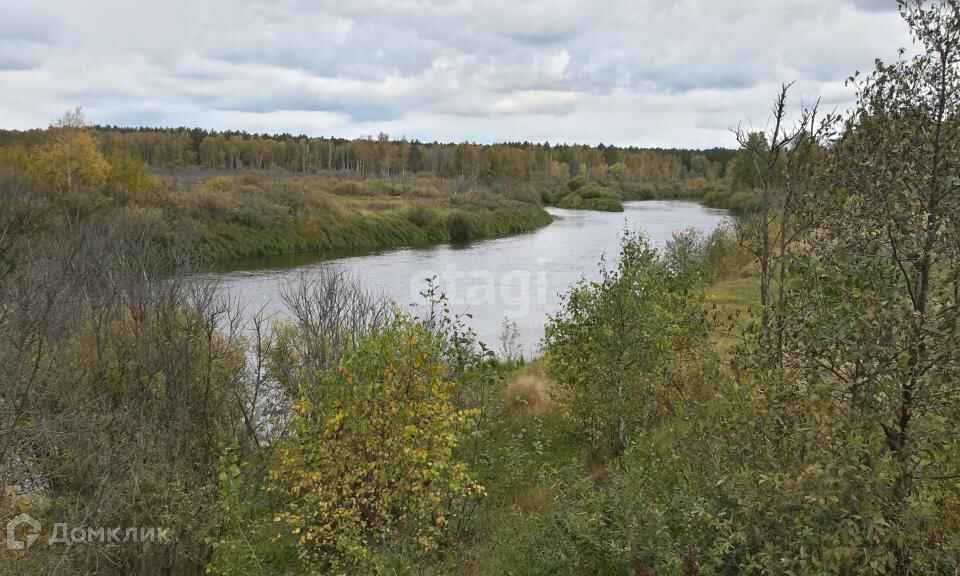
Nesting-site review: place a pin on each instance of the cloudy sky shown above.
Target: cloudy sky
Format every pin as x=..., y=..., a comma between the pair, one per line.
x=643, y=72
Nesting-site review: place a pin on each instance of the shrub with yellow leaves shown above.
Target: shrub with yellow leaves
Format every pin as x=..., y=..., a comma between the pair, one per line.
x=372, y=462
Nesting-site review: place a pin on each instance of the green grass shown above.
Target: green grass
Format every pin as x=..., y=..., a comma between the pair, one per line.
x=731, y=303
x=533, y=453
x=235, y=218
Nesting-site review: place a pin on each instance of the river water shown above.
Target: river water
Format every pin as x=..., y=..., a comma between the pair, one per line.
x=520, y=279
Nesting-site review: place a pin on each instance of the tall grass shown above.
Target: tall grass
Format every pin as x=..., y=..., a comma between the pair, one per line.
x=235, y=218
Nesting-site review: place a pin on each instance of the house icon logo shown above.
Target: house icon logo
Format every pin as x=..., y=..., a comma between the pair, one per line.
x=31, y=532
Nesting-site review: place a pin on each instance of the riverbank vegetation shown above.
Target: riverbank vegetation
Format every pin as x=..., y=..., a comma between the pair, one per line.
x=779, y=397
x=250, y=214
x=581, y=195
x=253, y=216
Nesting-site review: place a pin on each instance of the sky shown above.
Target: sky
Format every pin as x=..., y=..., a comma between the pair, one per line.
x=668, y=73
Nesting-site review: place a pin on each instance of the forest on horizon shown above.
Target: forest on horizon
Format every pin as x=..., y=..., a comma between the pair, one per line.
x=381, y=156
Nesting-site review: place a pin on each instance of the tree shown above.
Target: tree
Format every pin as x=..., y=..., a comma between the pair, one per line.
x=71, y=158
x=874, y=317
x=783, y=167
x=613, y=338
x=129, y=179
x=372, y=462
x=745, y=170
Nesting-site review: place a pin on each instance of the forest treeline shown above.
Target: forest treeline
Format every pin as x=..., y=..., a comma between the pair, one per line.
x=810, y=431
x=384, y=157
x=625, y=173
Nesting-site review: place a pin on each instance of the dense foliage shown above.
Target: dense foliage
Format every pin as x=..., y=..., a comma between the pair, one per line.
x=179, y=148
x=616, y=337
x=780, y=397
x=372, y=454
x=224, y=217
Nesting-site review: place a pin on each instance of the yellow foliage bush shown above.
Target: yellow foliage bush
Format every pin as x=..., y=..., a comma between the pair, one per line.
x=373, y=459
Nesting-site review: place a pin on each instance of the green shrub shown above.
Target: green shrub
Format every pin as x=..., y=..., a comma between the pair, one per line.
x=422, y=215
x=460, y=228
x=594, y=190
x=218, y=184
x=524, y=193
x=351, y=188
x=592, y=196
x=392, y=189
x=716, y=197
x=600, y=203
x=252, y=180
x=250, y=541
x=588, y=534
x=633, y=325
x=576, y=183
x=744, y=201
x=724, y=256
x=603, y=204
x=372, y=457
x=637, y=191
x=571, y=202
x=258, y=212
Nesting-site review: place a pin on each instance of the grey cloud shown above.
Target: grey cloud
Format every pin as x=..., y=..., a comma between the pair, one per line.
x=626, y=71
x=326, y=45
x=29, y=23
x=876, y=5
x=14, y=60
x=23, y=44
x=358, y=111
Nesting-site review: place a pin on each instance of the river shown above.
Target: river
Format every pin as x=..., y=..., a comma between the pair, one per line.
x=520, y=278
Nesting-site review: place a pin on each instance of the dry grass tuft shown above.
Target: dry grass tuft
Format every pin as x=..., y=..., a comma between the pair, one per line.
x=531, y=388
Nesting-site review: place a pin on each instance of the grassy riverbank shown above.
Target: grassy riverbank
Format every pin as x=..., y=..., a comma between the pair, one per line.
x=609, y=194
x=713, y=194
x=581, y=195
x=218, y=217
x=249, y=216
